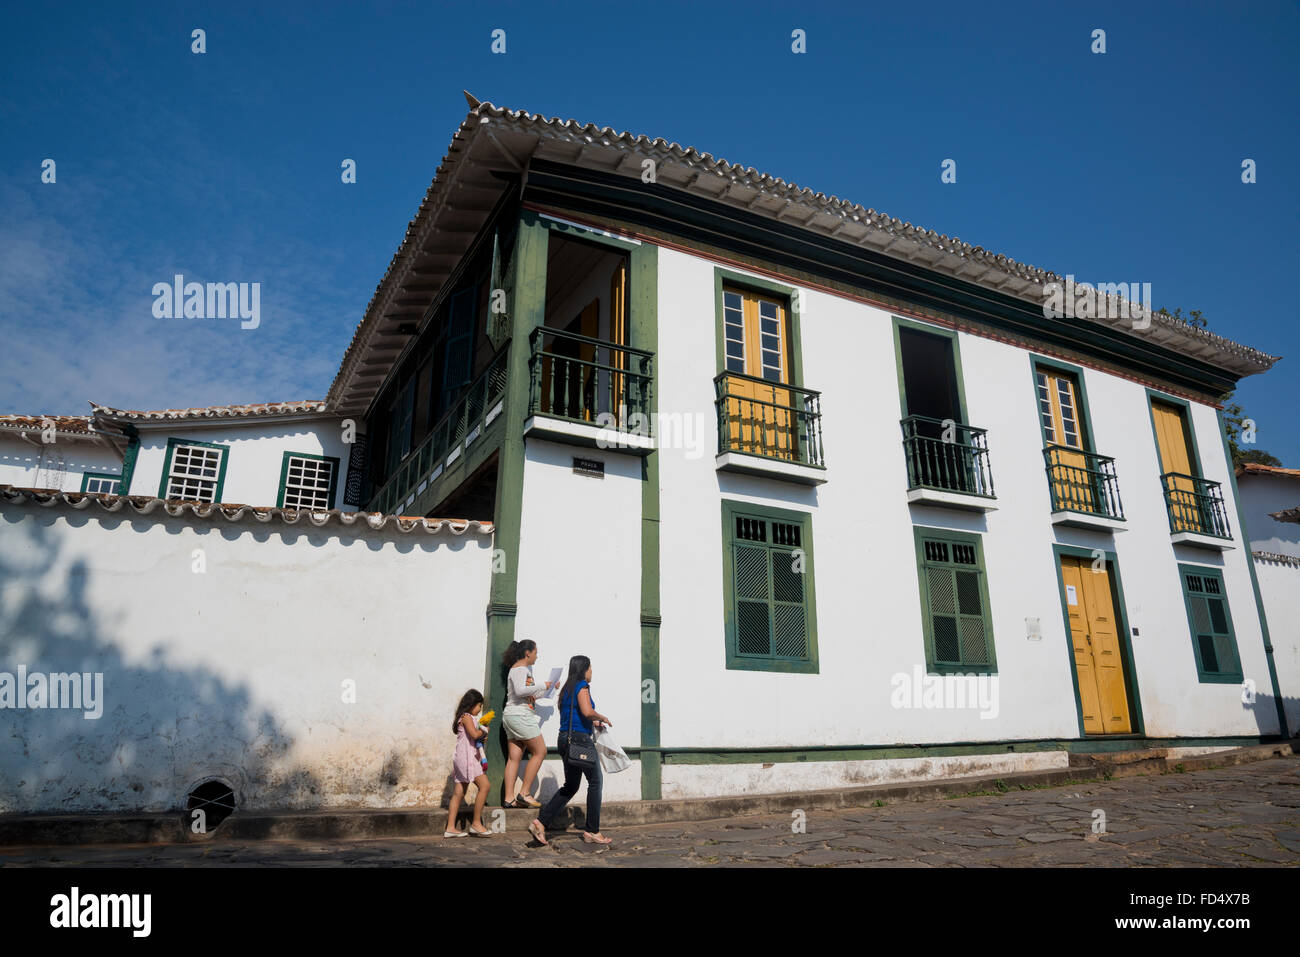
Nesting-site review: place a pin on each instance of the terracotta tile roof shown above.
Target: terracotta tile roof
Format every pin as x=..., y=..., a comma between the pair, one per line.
x=512, y=137
x=1286, y=515
x=145, y=504
x=71, y=424
x=1254, y=468
x=252, y=411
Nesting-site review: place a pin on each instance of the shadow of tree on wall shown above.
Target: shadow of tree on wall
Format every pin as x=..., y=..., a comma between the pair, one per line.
x=164, y=728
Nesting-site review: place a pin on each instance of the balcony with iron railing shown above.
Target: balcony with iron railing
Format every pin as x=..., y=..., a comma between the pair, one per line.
x=769, y=428
x=1084, y=488
x=455, y=432
x=947, y=463
x=589, y=392
x=1197, y=514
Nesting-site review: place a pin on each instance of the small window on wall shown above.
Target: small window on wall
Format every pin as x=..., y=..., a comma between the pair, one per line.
x=193, y=471
x=768, y=577
x=956, y=620
x=1213, y=640
x=308, y=481
x=101, y=483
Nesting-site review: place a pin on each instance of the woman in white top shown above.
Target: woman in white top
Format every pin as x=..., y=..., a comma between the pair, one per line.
x=520, y=721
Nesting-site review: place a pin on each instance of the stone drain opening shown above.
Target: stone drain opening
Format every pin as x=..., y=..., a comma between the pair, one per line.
x=216, y=799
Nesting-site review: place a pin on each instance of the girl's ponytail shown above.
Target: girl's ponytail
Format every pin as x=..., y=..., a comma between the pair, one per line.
x=515, y=651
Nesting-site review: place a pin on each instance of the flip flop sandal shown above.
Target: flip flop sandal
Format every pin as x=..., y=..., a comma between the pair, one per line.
x=538, y=832
x=527, y=801
x=592, y=839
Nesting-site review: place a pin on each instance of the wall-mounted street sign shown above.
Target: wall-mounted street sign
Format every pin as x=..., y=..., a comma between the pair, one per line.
x=589, y=467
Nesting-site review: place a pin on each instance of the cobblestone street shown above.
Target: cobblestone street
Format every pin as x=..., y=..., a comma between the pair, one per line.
x=1248, y=815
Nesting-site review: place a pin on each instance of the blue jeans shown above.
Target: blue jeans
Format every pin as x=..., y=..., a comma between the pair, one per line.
x=572, y=777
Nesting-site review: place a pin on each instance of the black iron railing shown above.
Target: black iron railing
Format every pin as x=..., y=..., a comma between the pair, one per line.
x=582, y=379
x=1195, y=505
x=771, y=419
x=448, y=434
x=946, y=455
x=1083, y=482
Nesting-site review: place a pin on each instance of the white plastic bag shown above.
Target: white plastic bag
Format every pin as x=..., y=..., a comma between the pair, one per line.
x=612, y=758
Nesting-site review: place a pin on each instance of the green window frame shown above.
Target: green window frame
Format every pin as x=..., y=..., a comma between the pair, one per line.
x=956, y=618
x=200, y=470
x=305, y=476
x=1209, y=620
x=1082, y=416
x=787, y=295
x=771, y=618
x=88, y=478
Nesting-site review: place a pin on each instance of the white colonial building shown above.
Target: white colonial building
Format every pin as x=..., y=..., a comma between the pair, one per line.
x=826, y=498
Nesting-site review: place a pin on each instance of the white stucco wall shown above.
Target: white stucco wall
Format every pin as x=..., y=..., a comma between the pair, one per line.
x=868, y=596
x=236, y=672
x=255, y=457
x=58, y=465
x=1262, y=495
x=579, y=587
x=1279, y=584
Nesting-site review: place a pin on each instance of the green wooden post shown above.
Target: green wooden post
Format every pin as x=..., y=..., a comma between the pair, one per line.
x=643, y=328
x=527, y=309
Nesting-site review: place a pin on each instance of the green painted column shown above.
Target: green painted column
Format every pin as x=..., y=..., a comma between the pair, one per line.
x=527, y=309
x=643, y=327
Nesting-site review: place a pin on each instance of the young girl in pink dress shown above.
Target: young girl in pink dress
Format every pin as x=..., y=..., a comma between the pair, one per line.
x=466, y=767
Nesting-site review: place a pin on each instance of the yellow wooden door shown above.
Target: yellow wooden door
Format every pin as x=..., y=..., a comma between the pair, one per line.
x=1058, y=411
x=760, y=414
x=584, y=377
x=1175, y=457
x=1094, y=637
x=618, y=399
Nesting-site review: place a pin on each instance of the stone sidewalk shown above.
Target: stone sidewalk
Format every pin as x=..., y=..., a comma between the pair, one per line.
x=1241, y=816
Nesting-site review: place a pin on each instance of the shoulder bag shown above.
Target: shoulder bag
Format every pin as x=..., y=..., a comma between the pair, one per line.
x=582, y=747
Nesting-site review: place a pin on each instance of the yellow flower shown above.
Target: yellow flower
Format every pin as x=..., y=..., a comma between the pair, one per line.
x=486, y=719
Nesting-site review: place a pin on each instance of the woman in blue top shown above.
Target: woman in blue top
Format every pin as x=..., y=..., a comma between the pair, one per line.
x=576, y=710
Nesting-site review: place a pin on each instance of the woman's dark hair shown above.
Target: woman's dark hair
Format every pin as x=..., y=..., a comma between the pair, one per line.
x=515, y=652
x=468, y=701
x=578, y=666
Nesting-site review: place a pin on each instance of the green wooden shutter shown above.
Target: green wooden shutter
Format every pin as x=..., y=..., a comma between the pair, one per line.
x=770, y=601
x=1216, y=646
x=955, y=603
x=752, y=587
x=789, y=624
x=771, y=609
x=459, y=358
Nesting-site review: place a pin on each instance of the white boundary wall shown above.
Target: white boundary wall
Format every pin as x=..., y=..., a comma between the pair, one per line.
x=237, y=672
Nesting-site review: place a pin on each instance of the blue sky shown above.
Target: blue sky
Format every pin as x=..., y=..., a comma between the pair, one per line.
x=225, y=166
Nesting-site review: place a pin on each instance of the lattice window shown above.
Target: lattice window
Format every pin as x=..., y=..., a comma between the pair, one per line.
x=1045, y=407
x=308, y=483
x=733, y=324
x=770, y=616
x=1213, y=640
x=954, y=604
x=194, y=473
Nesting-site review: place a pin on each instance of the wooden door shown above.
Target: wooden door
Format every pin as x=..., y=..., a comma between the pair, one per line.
x=1058, y=411
x=760, y=413
x=1175, y=457
x=1094, y=637
x=619, y=400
